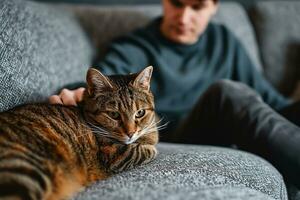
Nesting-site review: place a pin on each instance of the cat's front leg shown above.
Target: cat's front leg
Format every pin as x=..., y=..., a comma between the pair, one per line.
x=134, y=155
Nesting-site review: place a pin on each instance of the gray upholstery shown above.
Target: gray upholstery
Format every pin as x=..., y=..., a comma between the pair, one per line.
x=41, y=49
x=277, y=27
x=194, y=172
x=117, y=20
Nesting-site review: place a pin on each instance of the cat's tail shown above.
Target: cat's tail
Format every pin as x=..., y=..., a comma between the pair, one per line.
x=22, y=180
x=19, y=179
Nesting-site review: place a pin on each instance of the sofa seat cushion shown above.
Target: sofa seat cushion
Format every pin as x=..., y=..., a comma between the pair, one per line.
x=194, y=172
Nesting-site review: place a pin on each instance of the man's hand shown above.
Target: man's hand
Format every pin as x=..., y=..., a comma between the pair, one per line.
x=67, y=97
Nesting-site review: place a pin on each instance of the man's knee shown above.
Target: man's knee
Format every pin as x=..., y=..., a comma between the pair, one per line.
x=232, y=90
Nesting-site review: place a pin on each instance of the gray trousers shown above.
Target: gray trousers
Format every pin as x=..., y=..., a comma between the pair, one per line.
x=232, y=113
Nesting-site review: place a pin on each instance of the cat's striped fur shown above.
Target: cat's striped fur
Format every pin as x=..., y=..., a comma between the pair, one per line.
x=51, y=151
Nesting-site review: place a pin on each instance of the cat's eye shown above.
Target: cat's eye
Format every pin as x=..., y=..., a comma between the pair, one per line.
x=114, y=115
x=140, y=113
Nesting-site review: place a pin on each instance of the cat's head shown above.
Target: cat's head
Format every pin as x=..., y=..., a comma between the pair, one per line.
x=119, y=106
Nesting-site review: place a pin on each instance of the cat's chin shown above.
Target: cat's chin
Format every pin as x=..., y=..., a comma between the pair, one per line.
x=128, y=142
x=131, y=140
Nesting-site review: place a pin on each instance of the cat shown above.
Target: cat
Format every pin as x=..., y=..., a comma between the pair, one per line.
x=51, y=152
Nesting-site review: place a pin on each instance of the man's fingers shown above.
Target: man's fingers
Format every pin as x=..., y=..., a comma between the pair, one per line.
x=65, y=92
x=68, y=97
x=55, y=99
x=79, y=94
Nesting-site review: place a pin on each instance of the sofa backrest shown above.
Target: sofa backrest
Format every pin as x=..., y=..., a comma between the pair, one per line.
x=42, y=48
x=103, y=23
x=277, y=25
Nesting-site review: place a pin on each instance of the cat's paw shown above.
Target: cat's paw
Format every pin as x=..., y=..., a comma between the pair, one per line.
x=150, y=153
x=135, y=155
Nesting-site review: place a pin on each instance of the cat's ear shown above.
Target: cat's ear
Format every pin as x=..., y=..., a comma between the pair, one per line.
x=97, y=82
x=143, y=78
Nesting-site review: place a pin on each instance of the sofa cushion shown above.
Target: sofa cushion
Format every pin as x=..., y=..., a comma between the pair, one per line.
x=103, y=23
x=277, y=27
x=194, y=172
x=42, y=48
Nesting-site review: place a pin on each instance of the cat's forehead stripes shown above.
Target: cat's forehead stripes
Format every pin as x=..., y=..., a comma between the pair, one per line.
x=125, y=97
x=127, y=100
x=113, y=105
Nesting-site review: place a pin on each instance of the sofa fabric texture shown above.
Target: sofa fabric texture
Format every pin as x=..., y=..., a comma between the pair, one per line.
x=193, y=172
x=44, y=47
x=40, y=48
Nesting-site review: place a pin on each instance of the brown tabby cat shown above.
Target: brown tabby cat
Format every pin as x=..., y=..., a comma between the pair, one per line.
x=51, y=151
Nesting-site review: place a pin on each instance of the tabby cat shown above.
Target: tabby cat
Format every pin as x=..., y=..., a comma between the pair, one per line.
x=50, y=152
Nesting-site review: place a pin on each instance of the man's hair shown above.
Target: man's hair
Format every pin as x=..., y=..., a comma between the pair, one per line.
x=215, y=1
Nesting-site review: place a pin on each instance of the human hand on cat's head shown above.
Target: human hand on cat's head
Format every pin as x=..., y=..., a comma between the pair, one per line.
x=67, y=97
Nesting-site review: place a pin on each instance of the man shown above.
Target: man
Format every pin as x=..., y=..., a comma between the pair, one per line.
x=190, y=56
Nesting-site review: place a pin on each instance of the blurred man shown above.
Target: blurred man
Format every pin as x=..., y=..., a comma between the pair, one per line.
x=192, y=57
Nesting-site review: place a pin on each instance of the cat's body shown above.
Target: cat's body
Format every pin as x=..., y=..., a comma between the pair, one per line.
x=51, y=151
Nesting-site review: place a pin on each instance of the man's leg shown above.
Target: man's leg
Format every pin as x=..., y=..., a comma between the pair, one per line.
x=232, y=113
x=292, y=113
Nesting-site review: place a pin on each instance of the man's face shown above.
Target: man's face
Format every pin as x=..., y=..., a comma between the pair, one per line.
x=185, y=20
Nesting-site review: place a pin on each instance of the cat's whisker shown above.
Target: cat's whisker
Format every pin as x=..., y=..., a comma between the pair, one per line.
x=97, y=132
x=159, y=121
x=163, y=125
x=104, y=135
x=100, y=131
x=145, y=130
x=148, y=131
x=162, y=118
x=94, y=129
x=97, y=128
x=153, y=123
x=154, y=128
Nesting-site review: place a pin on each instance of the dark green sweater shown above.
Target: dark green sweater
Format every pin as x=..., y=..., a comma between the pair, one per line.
x=183, y=72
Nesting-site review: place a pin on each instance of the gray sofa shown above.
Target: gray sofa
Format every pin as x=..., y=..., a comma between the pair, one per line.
x=44, y=47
